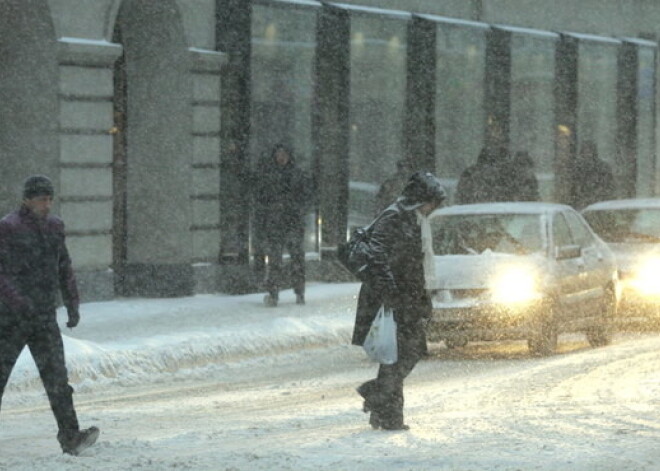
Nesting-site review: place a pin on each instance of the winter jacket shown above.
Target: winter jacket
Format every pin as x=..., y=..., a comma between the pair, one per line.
x=490, y=179
x=396, y=273
x=525, y=183
x=34, y=266
x=283, y=195
x=593, y=182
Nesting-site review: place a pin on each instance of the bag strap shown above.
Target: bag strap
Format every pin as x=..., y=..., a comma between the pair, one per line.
x=367, y=229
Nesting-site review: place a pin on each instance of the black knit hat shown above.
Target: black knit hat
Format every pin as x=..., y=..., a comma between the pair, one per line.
x=37, y=185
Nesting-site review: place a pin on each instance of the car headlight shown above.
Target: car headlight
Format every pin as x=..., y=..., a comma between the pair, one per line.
x=646, y=277
x=514, y=285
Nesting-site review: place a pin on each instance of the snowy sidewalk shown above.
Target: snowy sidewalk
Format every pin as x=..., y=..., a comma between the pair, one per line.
x=130, y=341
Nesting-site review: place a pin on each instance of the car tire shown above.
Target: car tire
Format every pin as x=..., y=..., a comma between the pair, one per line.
x=544, y=342
x=457, y=342
x=600, y=334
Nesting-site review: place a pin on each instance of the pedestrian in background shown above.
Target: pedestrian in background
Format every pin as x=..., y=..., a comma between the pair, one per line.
x=260, y=217
x=391, y=188
x=526, y=185
x=35, y=266
x=396, y=279
x=284, y=193
x=490, y=179
x=593, y=178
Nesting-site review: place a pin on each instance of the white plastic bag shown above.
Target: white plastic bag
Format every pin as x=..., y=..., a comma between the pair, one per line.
x=380, y=344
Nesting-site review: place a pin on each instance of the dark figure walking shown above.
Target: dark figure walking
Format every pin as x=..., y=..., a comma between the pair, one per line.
x=391, y=188
x=284, y=194
x=490, y=179
x=260, y=216
x=525, y=183
x=594, y=180
x=396, y=279
x=34, y=266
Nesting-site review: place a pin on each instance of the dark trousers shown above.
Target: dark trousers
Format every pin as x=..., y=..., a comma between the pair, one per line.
x=384, y=394
x=291, y=240
x=44, y=340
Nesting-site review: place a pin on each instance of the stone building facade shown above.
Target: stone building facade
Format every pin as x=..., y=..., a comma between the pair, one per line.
x=142, y=110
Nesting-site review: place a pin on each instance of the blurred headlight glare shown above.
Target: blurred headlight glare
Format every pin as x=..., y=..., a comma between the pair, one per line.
x=646, y=278
x=515, y=285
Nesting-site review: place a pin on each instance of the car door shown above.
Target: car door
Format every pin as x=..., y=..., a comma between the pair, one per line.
x=567, y=263
x=595, y=271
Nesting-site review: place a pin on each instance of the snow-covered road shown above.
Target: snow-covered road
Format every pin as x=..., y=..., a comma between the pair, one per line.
x=485, y=407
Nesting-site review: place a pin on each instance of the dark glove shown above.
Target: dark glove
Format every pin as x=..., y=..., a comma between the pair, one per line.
x=74, y=318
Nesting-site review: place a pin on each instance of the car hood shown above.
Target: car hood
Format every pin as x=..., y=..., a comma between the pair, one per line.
x=477, y=271
x=629, y=255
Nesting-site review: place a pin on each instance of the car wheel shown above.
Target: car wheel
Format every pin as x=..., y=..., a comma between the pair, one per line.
x=601, y=333
x=545, y=341
x=457, y=342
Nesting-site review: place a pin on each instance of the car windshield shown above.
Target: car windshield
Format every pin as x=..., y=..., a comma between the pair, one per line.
x=477, y=233
x=626, y=225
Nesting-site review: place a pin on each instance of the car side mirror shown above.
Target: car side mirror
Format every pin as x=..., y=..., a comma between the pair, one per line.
x=568, y=251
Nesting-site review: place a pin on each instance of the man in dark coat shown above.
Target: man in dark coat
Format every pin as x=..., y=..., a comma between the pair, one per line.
x=593, y=178
x=391, y=188
x=525, y=183
x=34, y=266
x=396, y=279
x=490, y=179
x=283, y=196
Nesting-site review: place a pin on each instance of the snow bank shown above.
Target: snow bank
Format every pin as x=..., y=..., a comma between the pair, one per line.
x=133, y=341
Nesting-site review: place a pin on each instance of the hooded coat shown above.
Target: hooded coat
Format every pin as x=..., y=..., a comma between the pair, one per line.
x=396, y=274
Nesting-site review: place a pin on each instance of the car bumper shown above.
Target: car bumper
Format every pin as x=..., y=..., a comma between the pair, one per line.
x=485, y=322
x=633, y=304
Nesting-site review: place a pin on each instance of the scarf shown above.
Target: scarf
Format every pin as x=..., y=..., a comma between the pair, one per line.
x=427, y=249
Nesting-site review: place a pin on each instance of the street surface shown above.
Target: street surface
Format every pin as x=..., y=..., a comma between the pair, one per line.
x=484, y=407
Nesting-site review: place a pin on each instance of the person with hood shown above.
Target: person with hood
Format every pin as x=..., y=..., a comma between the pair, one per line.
x=401, y=253
x=284, y=195
x=34, y=268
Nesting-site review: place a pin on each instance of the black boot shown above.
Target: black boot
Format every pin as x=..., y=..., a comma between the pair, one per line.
x=74, y=442
x=270, y=300
x=394, y=426
x=374, y=420
x=391, y=415
x=371, y=404
x=369, y=391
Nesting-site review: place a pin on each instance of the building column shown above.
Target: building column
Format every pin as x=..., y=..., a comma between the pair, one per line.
x=331, y=123
x=419, y=126
x=29, y=108
x=566, y=101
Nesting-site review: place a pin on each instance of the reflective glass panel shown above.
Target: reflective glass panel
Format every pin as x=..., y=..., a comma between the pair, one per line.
x=376, y=111
x=283, y=52
x=459, y=107
x=646, y=167
x=473, y=234
x=626, y=225
x=532, y=105
x=597, y=92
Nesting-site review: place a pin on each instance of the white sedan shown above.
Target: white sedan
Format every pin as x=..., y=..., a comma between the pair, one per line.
x=632, y=230
x=519, y=271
